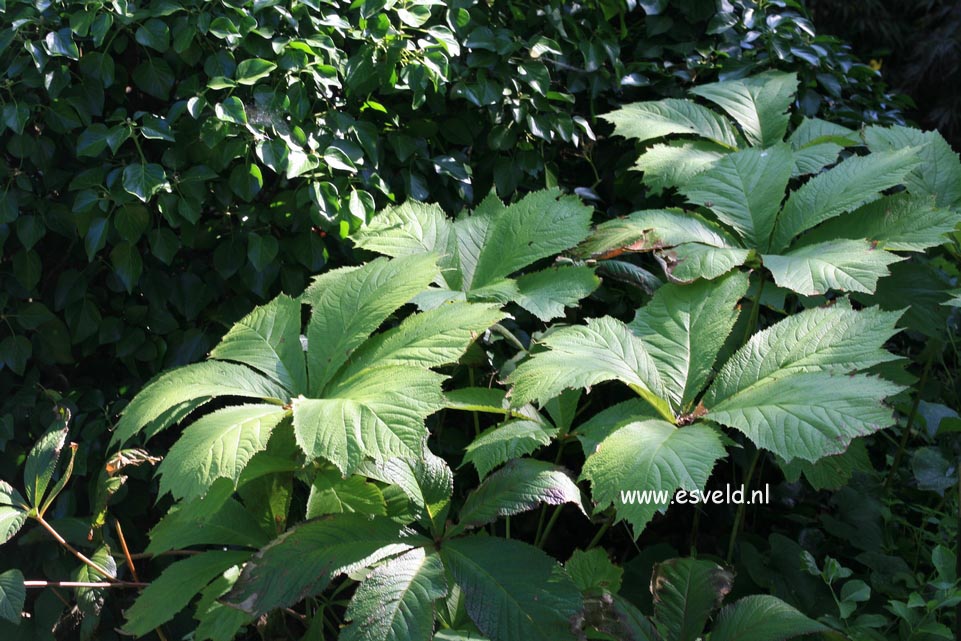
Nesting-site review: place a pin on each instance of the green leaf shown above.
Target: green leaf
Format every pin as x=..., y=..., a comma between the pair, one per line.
x=175, y=393
x=690, y=261
x=268, y=339
x=42, y=461
x=845, y=265
x=395, y=602
x=131, y=222
x=547, y=292
x=814, y=131
x=428, y=482
x=93, y=140
x=762, y=618
x=831, y=472
x=377, y=414
x=644, y=121
x=676, y=162
x=613, y=352
x=231, y=110
x=744, y=190
x=478, y=399
x=653, y=229
x=686, y=591
x=154, y=33
x=218, y=445
x=650, y=455
x=902, y=222
x=412, y=229
x=302, y=560
x=519, y=486
x=332, y=494
x=60, y=43
x=759, y=104
x=684, y=328
x=939, y=173
x=169, y=593
x=15, y=352
x=808, y=415
x=13, y=594
x=436, y=337
x=852, y=183
x=512, y=590
x=506, y=441
x=155, y=77
x=127, y=264
x=11, y=520
x=91, y=600
x=13, y=511
x=261, y=250
x=251, y=70
x=215, y=519
x=350, y=303
x=539, y=225
x=592, y=570
x=837, y=339
x=143, y=180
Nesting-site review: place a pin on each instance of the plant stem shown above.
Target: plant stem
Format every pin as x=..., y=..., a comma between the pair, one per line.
x=470, y=377
x=506, y=333
x=907, y=428
x=957, y=567
x=601, y=531
x=74, y=551
x=84, y=584
x=751, y=326
x=739, y=515
x=550, y=526
x=126, y=550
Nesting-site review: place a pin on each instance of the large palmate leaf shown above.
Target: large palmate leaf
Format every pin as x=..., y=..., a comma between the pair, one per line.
x=645, y=121
x=852, y=183
x=395, y=602
x=218, y=445
x=744, y=190
x=512, y=590
x=759, y=104
x=480, y=251
x=789, y=389
x=302, y=560
x=268, y=339
x=348, y=304
x=519, y=486
x=610, y=349
x=844, y=265
x=761, y=617
x=684, y=328
x=428, y=482
x=650, y=455
x=686, y=592
x=792, y=389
